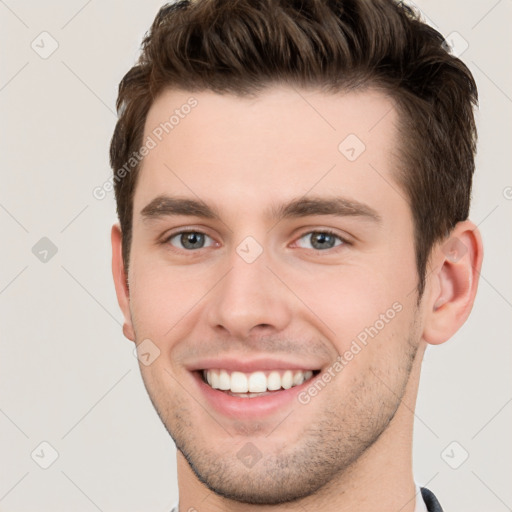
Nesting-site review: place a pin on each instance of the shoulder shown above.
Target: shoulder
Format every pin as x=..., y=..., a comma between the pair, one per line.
x=430, y=500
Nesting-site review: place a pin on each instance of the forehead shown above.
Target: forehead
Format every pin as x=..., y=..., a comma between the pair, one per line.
x=283, y=142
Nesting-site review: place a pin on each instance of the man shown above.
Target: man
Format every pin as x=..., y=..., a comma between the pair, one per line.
x=293, y=183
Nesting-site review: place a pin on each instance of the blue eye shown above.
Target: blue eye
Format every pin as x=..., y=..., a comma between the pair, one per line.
x=321, y=240
x=190, y=240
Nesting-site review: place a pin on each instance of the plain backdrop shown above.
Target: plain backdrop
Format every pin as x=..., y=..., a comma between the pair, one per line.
x=69, y=378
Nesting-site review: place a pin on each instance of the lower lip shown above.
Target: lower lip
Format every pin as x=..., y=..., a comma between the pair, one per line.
x=249, y=408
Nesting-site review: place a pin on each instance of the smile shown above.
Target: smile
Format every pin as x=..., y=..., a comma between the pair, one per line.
x=255, y=384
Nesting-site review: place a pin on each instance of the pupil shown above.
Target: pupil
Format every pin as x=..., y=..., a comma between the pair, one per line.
x=322, y=239
x=192, y=240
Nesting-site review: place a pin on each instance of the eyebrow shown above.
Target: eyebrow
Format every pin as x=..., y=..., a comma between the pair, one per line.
x=166, y=206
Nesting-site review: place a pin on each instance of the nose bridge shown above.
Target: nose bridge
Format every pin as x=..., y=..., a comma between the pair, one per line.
x=249, y=295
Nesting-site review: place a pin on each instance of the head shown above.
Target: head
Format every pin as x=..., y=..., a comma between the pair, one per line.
x=321, y=161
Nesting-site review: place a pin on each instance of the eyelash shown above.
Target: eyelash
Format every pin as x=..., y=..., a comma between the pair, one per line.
x=328, y=232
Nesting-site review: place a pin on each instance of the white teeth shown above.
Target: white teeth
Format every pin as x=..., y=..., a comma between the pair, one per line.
x=224, y=380
x=239, y=382
x=256, y=382
x=287, y=379
x=298, y=378
x=273, y=381
x=214, y=378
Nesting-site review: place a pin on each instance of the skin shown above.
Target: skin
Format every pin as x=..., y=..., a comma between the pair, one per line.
x=351, y=443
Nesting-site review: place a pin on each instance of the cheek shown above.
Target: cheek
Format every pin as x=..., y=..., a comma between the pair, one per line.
x=366, y=313
x=165, y=299
x=154, y=300
x=350, y=299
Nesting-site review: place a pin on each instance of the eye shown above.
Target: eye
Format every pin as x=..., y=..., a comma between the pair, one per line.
x=321, y=240
x=189, y=240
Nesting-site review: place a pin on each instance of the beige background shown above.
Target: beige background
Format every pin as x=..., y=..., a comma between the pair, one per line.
x=69, y=378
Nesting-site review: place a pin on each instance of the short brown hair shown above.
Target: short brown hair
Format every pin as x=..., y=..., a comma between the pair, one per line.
x=240, y=47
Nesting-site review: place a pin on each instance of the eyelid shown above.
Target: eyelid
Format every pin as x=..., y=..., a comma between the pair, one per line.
x=191, y=229
x=344, y=239
x=185, y=229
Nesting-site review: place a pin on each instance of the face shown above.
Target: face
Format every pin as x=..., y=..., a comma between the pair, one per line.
x=272, y=256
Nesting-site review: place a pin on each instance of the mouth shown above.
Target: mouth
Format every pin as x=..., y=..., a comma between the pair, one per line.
x=256, y=394
x=255, y=384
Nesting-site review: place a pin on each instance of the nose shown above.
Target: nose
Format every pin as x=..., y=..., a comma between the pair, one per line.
x=248, y=299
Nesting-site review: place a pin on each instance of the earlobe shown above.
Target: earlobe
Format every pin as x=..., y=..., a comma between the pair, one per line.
x=120, y=281
x=453, y=282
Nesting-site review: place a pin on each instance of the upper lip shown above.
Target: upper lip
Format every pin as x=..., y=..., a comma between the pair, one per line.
x=249, y=366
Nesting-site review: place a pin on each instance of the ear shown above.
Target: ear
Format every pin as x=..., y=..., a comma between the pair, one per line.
x=121, y=282
x=453, y=281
